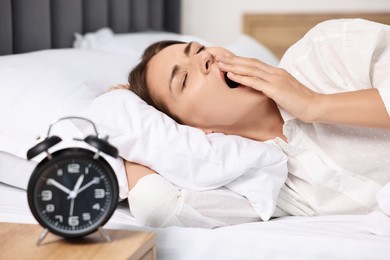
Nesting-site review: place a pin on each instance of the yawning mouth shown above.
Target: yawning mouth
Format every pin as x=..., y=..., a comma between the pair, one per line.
x=229, y=82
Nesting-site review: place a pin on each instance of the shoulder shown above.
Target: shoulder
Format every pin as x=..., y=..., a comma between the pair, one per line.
x=336, y=55
x=340, y=32
x=345, y=27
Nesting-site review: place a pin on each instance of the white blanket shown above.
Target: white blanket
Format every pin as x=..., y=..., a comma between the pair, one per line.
x=303, y=238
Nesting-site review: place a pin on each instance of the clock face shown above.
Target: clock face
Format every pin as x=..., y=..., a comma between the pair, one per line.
x=73, y=194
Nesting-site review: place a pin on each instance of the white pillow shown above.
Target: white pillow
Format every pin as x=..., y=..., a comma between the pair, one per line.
x=127, y=43
x=40, y=87
x=135, y=43
x=188, y=157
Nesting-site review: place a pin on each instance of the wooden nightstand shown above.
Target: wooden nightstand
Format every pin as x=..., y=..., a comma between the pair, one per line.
x=18, y=241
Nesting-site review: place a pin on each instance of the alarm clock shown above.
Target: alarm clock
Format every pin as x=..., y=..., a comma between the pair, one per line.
x=74, y=191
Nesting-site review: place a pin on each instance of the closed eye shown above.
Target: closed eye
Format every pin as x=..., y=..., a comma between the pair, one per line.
x=202, y=48
x=184, y=84
x=184, y=81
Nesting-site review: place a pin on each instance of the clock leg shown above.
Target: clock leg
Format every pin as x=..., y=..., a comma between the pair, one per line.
x=104, y=234
x=42, y=236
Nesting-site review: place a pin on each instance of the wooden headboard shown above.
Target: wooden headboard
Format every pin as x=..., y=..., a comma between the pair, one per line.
x=279, y=31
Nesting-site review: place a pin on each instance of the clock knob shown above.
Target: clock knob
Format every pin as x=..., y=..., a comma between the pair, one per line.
x=102, y=145
x=43, y=146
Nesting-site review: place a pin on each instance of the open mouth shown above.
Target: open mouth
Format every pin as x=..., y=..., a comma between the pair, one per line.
x=229, y=82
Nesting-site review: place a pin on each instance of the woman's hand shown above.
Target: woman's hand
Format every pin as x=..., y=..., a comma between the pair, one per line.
x=362, y=107
x=275, y=83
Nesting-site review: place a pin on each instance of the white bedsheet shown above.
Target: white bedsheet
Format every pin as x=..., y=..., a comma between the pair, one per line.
x=332, y=237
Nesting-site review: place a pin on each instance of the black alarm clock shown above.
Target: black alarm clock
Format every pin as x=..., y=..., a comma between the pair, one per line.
x=74, y=191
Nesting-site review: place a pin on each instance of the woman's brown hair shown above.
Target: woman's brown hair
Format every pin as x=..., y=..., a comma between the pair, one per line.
x=137, y=77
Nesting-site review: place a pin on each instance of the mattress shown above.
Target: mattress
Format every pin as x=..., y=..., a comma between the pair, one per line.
x=326, y=237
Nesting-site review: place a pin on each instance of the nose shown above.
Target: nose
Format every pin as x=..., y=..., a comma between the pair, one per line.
x=204, y=60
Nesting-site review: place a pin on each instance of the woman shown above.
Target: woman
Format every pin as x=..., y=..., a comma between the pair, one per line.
x=331, y=119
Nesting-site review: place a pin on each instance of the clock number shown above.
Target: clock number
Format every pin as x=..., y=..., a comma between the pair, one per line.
x=99, y=193
x=46, y=195
x=74, y=168
x=73, y=221
x=60, y=172
x=96, y=206
x=86, y=216
x=59, y=217
x=50, y=208
x=96, y=180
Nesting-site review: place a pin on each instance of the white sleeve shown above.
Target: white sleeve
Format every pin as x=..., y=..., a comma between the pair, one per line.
x=156, y=202
x=343, y=55
x=380, y=67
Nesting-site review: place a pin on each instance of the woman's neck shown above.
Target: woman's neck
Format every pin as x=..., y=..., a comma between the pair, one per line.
x=264, y=125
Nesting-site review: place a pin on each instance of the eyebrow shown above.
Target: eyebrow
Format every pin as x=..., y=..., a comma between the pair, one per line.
x=188, y=48
x=175, y=68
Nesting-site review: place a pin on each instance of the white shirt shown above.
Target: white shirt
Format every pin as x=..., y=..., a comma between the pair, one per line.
x=335, y=169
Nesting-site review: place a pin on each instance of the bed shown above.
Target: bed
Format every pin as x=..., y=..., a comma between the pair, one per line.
x=36, y=39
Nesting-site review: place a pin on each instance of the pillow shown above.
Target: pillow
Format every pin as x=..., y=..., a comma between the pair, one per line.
x=135, y=43
x=186, y=156
x=40, y=87
x=15, y=171
x=127, y=43
x=43, y=86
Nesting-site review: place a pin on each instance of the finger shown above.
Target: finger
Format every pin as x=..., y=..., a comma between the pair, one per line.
x=254, y=83
x=251, y=62
x=244, y=70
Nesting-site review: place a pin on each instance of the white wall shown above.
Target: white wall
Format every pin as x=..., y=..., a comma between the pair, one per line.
x=219, y=21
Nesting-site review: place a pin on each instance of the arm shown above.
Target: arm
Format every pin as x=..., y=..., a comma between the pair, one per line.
x=135, y=172
x=157, y=202
x=360, y=108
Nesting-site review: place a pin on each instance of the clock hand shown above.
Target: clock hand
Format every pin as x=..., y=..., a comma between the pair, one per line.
x=78, y=183
x=58, y=185
x=94, y=181
x=71, y=207
x=74, y=192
